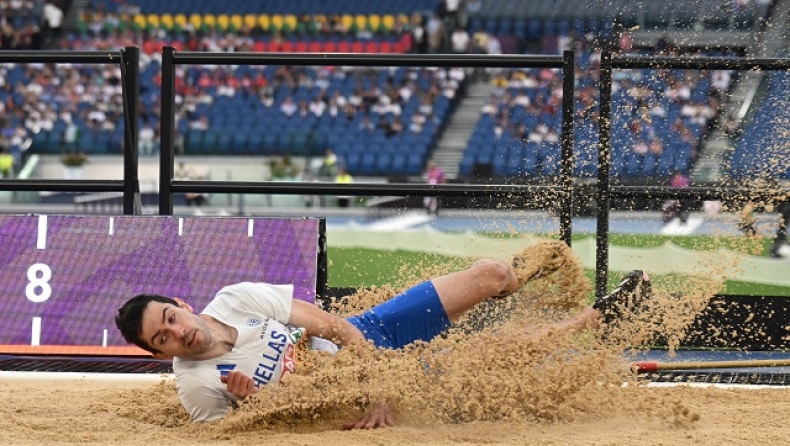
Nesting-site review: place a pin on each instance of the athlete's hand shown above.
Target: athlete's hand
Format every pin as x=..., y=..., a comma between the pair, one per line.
x=378, y=416
x=239, y=384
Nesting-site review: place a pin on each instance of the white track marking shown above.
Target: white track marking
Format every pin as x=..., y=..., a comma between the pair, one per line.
x=41, y=241
x=77, y=376
x=35, y=331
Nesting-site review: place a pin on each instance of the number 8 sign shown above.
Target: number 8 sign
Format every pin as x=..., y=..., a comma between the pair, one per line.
x=38, y=289
x=76, y=271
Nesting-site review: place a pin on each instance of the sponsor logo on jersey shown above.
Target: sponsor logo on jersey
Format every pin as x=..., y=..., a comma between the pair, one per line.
x=296, y=335
x=252, y=322
x=289, y=364
x=225, y=368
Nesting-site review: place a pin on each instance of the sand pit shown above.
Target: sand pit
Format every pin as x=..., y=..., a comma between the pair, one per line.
x=86, y=412
x=486, y=382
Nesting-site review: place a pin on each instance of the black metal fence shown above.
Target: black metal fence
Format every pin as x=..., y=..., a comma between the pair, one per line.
x=128, y=61
x=562, y=192
x=606, y=191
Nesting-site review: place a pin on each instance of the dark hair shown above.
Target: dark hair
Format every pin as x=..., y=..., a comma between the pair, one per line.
x=129, y=319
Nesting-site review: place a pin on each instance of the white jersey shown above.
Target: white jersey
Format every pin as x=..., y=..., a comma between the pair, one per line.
x=264, y=349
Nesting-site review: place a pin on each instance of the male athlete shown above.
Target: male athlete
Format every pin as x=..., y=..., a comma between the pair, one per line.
x=250, y=334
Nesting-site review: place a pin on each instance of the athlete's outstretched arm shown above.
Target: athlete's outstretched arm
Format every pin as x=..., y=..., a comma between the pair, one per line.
x=325, y=325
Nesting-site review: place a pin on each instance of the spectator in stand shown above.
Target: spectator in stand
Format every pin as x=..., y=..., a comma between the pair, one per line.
x=419, y=35
x=6, y=163
x=145, y=140
x=435, y=33
x=288, y=107
x=433, y=175
x=677, y=208
x=330, y=164
x=53, y=19
x=343, y=177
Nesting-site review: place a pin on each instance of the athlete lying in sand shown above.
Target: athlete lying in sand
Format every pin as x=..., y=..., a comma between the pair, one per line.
x=250, y=333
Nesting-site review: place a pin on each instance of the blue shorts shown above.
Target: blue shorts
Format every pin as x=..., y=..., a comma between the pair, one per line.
x=416, y=314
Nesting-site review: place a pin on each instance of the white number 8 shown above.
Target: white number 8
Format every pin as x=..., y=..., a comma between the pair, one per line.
x=37, y=282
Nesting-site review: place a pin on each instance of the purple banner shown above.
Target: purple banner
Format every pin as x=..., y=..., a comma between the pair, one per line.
x=64, y=277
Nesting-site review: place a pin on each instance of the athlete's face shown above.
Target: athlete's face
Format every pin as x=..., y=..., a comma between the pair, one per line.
x=174, y=330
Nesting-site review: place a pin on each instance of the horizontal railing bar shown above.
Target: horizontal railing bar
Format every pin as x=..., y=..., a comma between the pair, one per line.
x=359, y=189
x=62, y=185
x=97, y=57
x=380, y=60
x=700, y=63
x=711, y=193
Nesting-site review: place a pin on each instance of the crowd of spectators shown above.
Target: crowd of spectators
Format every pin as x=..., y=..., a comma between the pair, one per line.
x=83, y=101
x=28, y=24
x=651, y=109
x=80, y=102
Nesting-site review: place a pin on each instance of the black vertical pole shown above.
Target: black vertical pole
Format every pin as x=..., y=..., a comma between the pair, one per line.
x=130, y=66
x=322, y=272
x=566, y=166
x=603, y=192
x=168, y=131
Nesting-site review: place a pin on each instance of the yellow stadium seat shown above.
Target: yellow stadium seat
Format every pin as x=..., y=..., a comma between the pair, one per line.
x=196, y=20
x=291, y=21
x=250, y=20
x=180, y=20
x=223, y=21
x=264, y=21
x=361, y=21
x=389, y=21
x=153, y=20
x=277, y=21
x=140, y=21
x=347, y=20
x=237, y=21
x=167, y=21
x=210, y=20
x=374, y=20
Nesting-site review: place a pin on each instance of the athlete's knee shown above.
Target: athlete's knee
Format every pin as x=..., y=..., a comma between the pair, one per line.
x=499, y=274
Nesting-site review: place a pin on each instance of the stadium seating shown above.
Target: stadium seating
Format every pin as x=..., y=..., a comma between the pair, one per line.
x=677, y=126
x=559, y=17
x=240, y=124
x=762, y=150
x=279, y=7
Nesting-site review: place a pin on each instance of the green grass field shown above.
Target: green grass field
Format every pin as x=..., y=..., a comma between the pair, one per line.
x=367, y=267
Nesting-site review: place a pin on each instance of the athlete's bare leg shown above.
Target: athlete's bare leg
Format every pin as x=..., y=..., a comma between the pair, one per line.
x=462, y=290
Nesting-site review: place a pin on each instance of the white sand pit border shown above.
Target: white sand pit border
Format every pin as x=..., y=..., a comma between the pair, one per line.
x=80, y=376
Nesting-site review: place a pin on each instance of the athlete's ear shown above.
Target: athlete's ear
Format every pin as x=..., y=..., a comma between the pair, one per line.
x=184, y=305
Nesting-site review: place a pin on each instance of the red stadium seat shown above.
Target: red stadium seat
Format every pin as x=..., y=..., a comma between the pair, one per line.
x=404, y=44
x=344, y=47
x=386, y=47
x=315, y=47
x=259, y=47
x=274, y=47
x=329, y=47
x=301, y=46
x=372, y=47
x=288, y=47
x=357, y=47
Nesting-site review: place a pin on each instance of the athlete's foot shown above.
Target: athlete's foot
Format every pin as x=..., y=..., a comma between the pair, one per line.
x=540, y=260
x=626, y=298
